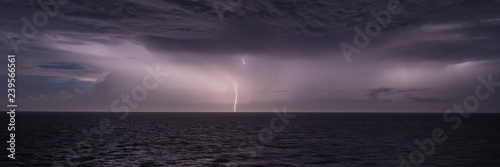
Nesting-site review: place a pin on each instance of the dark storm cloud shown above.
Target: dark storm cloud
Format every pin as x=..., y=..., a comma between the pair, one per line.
x=467, y=42
x=275, y=47
x=312, y=28
x=293, y=27
x=422, y=99
x=383, y=93
x=48, y=85
x=375, y=93
x=412, y=90
x=59, y=65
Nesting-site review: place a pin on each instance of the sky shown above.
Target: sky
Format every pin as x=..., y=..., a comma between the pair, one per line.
x=308, y=55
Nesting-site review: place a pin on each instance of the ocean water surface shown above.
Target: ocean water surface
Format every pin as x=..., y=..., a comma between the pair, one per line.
x=215, y=139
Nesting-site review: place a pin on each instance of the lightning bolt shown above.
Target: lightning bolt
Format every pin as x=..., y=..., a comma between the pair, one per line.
x=236, y=95
x=243, y=59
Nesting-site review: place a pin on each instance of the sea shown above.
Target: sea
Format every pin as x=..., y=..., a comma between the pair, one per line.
x=149, y=139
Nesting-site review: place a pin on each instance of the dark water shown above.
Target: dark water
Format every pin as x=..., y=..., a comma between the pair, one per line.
x=212, y=139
